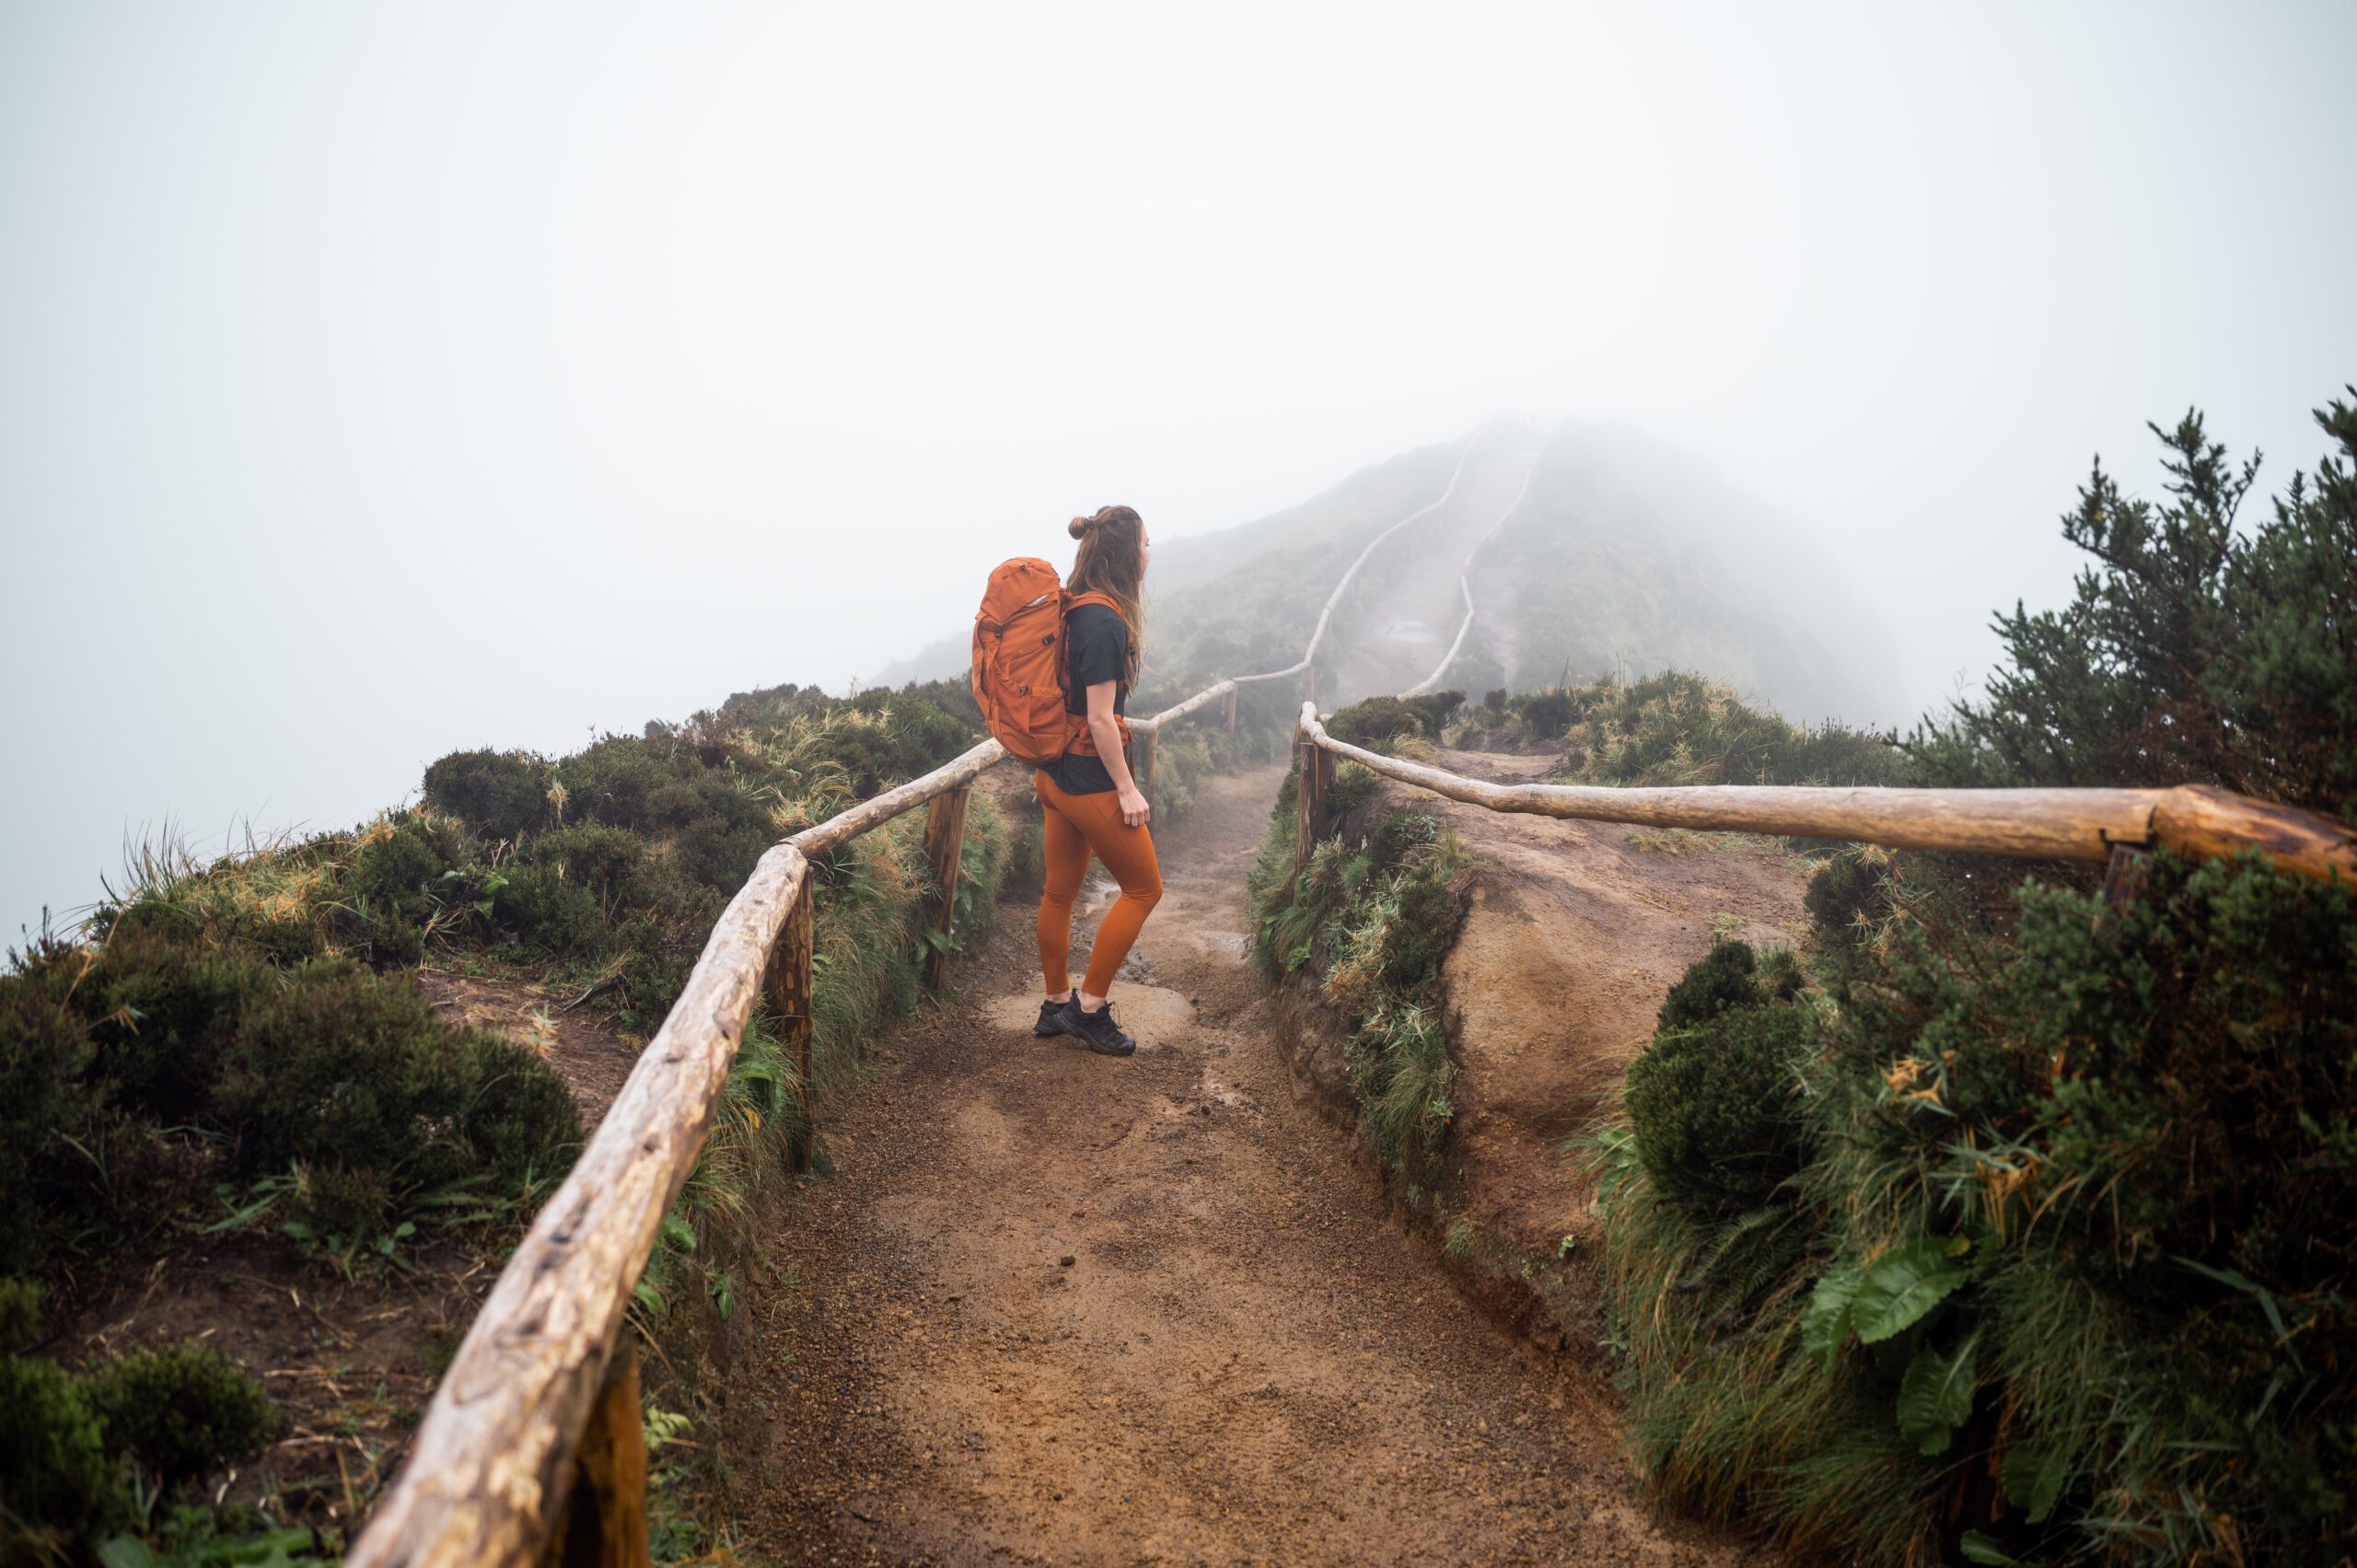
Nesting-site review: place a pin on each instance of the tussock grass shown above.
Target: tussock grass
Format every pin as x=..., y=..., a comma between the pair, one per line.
x=1371, y=919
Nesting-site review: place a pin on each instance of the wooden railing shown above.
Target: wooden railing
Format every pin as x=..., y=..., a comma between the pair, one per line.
x=531, y=1449
x=2038, y=824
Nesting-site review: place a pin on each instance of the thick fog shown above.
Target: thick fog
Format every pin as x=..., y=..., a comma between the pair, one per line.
x=376, y=380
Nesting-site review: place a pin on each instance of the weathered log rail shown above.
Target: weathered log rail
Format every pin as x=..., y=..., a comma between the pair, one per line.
x=2194, y=821
x=531, y=1406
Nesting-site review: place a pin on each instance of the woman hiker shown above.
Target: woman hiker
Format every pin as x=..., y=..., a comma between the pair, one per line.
x=1090, y=800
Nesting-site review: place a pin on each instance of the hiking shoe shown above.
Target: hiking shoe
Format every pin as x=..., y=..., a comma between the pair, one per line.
x=1098, y=1030
x=1052, y=1020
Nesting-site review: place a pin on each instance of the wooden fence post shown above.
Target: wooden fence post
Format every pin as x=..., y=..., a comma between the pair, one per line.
x=2123, y=879
x=788, y=987
x=945, y=840
x=1141, y=749
x=604, y=1522
x=1229, y=708
x=1309, y=804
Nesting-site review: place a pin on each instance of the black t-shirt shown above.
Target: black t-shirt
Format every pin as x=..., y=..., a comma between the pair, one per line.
x=1096, y=649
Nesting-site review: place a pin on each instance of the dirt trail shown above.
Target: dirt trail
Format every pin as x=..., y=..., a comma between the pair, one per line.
x=1394, y=643
x=1055, y=1308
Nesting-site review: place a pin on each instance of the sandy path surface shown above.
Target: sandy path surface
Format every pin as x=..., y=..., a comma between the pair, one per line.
x=1056, y=1308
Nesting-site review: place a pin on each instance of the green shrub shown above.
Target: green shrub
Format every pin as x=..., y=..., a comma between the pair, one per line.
x=1376, y=722
x=587, y=891
x=1677, y=728
x=1848, y=893
x=1494, y=700
x=346, y=1206
x=614, y=779
x=502, y=795
x=44, y=1102
x=880, y=736
x=717, y=827
x=165, y=1012
x=1438, y=708
x=344, y=1069
x=179, y=1410
x=1548, y=715
x=19, y=1316
x=1713, y=1100
x=2131, y=1239
x=55, y=1474
x=2145, y=1126
x=410, y=876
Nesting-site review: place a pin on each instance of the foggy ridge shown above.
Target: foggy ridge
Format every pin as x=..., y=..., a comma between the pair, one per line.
x=1624, y=552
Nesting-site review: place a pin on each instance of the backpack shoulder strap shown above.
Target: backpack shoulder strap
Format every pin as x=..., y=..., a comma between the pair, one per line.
x=1074, y=601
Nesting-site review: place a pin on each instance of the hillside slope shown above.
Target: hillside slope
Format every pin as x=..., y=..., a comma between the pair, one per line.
x=1622, y=550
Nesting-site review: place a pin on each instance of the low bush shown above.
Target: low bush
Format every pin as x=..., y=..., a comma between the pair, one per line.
x=163, y=1014
x=1713, y=1100
x=614, y=779
x=45, y=1108
x=171, y=1411
x=1849, y=894
x=169, y=1051
x=177, y=1409
x=1547, y=715
x=19, y=1315
x=410, y=876
x=717, y=827
x=502, y=794
x=1675, y=728
x=56, y=1479
x=343, y=1068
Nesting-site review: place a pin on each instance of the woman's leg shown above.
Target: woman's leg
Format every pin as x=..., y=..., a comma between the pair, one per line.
x=1065, y=852
x=1127, y=854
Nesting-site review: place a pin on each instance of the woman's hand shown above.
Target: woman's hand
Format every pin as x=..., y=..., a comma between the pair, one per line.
x=1134, y=810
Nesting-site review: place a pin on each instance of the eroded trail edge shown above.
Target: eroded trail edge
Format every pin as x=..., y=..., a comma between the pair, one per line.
x=1056, y=1308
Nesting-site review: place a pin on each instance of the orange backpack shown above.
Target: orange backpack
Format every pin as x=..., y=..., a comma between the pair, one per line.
x=1020, y=660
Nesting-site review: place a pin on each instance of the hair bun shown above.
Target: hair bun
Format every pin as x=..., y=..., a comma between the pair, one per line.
x=1078, y=528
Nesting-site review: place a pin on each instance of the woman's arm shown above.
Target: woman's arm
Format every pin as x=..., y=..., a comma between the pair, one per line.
x=1107, y=732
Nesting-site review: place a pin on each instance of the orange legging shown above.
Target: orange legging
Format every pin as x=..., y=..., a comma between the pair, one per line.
x=1075, y=825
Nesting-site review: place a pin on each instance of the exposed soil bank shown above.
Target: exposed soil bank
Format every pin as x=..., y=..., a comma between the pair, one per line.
x=1572, y=934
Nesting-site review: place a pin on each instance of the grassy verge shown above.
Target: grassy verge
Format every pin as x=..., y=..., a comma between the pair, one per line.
x=1369, y=920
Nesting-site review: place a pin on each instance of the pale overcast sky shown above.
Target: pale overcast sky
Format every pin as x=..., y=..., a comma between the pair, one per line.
x=379, y=379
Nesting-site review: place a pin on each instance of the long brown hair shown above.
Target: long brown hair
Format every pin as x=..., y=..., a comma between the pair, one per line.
x=1112, y=562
